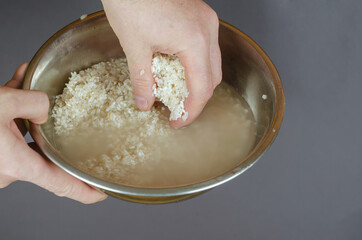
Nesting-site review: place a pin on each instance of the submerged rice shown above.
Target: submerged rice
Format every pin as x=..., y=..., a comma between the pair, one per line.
x=100, y=131
x=101, y=97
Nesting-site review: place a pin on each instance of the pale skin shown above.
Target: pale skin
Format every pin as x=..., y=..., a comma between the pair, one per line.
x=22, y=161
x=187, y=28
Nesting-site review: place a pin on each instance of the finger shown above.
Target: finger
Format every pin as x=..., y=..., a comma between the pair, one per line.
x=139, y=63
x=16, y=82
x=49, y=176
x=198, y=80
x=215, y=61
x=18, y=77
x=26, y=104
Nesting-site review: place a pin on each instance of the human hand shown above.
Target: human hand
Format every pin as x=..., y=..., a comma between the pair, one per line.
x=186, y=28
x=20, y=161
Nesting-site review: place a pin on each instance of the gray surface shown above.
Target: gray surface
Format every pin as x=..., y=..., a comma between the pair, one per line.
x=307, y=186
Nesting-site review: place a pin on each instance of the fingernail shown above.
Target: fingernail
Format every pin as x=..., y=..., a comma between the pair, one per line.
x=103, y=197
x=141, y=103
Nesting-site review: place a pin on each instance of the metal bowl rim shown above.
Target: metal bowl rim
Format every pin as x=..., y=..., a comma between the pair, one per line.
x=204, y=185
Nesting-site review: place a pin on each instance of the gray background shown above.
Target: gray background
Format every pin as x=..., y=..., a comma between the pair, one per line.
x=307, y=186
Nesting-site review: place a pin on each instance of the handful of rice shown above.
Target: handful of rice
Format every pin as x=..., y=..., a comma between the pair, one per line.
x=170, y=87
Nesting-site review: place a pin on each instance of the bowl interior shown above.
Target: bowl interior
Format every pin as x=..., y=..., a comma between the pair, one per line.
x=86, y=42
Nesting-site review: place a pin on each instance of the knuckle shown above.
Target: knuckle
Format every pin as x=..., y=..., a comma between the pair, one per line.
x=43, y=99
x=213, y=18
x=66, y=191
x=7, y=100
x=140, y=84
x=201, y=38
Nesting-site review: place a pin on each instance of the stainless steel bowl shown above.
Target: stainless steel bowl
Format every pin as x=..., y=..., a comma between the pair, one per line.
x=85, y=42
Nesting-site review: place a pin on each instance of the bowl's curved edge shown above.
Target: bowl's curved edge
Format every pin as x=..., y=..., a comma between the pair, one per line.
x=251, y=159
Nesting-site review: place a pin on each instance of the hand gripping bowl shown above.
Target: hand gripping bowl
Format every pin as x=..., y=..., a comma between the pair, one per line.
x=91, y=40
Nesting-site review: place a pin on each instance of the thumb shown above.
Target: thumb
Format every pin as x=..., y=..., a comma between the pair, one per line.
x=139, y=64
